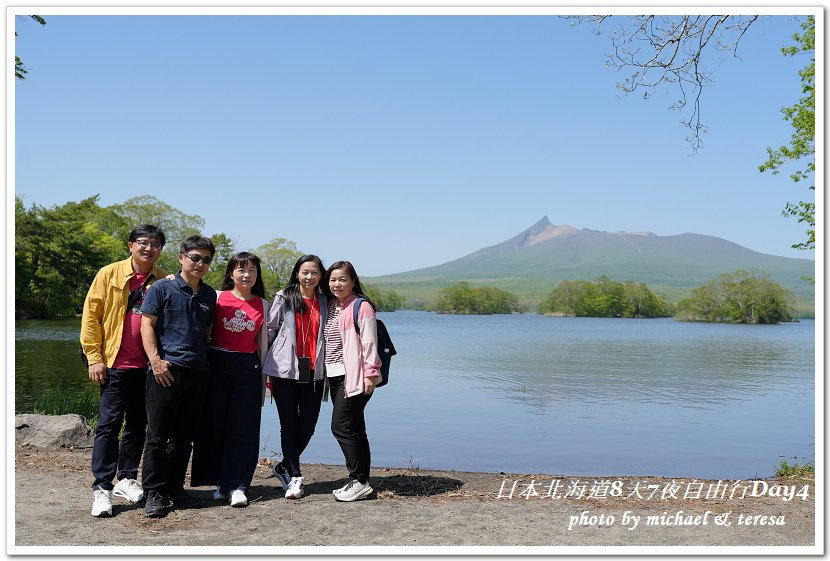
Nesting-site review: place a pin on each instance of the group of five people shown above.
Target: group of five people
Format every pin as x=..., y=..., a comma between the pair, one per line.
x=184, y=368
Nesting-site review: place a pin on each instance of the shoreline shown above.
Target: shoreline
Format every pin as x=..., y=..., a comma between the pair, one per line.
x=418, y=508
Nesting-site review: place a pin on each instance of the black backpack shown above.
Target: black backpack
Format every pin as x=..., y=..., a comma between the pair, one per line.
x=385, y=347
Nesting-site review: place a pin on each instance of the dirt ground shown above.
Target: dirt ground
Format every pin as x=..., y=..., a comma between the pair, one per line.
x=415, y=510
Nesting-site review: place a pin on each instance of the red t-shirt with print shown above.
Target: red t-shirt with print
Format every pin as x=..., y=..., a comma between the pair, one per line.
x=236, y=323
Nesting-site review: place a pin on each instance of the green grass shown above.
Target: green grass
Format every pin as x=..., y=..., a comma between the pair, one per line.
x=63, y=400
x=794, y=470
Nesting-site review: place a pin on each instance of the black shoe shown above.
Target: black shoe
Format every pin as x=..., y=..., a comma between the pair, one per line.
x=282, y=476
x=154, y=506
x=183, y=499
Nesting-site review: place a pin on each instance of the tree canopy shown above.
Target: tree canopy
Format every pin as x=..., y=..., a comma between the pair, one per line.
x=386, y=300
x=278, y=258
x=604, y=298
x=461, y=298
x=739, y=297
x=20, y=69
x=802, y=147
x=58, y=250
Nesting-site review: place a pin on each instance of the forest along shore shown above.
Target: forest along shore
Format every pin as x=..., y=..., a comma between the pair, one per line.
x=414, y=507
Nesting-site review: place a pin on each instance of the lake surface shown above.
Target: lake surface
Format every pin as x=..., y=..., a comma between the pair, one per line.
x=571, y=396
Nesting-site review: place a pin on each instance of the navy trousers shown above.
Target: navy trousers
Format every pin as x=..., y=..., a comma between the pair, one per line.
x=122, y=401
x=226, y=449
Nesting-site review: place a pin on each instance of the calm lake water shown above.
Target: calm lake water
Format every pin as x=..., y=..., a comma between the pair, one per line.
x=572, y=396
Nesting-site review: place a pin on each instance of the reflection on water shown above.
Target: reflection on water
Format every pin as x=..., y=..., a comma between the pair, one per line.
x=45, y=352
x=557, y=395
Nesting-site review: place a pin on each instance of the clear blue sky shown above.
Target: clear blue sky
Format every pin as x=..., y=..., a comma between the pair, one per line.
x=397, y=142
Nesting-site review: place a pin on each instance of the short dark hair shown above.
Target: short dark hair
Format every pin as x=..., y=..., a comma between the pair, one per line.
x=197, y=242
x=147, y=231
x=241, y=259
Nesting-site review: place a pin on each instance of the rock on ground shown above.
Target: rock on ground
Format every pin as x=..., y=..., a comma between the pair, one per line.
x=52, y=431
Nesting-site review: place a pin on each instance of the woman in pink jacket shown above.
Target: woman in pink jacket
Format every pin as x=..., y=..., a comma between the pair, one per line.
x=352, y=371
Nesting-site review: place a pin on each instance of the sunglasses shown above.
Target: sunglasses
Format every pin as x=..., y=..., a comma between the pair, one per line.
x=199, y=259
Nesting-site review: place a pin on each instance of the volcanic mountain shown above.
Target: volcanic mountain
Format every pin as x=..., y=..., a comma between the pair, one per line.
x=532, y=262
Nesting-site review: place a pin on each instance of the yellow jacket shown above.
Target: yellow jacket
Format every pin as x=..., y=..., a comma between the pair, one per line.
x=102, y=322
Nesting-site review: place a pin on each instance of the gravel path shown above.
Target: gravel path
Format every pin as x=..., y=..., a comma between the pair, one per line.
x=415, y=509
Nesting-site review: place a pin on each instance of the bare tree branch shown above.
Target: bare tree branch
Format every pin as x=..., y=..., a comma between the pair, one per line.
x=666, y=52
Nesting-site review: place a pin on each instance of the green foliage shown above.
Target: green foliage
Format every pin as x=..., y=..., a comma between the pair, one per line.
x=461, y=298
x=225, y=249
x=63, y=400
x=58, y=250
x=176, y=225
x=278, y=258
x=794, y=470
x=386, y=300
x=739, y=297
x=20, y=69
x=802, y=146
x=604, y=298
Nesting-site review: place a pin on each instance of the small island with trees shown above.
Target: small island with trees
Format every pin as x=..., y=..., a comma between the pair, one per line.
x=739, y=297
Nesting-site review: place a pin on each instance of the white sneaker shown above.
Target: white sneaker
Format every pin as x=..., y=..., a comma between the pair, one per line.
x=129, y=489
x=102, y=505
x=353, y=491
x=238, y=498
x=219, y=495
x=295, y=488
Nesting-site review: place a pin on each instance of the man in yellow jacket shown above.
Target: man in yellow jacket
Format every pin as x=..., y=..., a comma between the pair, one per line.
x=111, y=341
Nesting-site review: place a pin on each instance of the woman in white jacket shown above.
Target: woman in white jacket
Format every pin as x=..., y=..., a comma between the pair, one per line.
x=352, y=371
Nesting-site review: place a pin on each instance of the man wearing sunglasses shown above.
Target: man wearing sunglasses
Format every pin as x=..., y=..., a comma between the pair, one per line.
x=175, y=328
x=115, y=357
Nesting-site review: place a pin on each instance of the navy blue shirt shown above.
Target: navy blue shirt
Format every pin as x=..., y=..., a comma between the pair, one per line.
x=183, y=323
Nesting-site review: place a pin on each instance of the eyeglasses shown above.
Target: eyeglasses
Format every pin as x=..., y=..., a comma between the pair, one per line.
x=199, y=258
x=145, y=244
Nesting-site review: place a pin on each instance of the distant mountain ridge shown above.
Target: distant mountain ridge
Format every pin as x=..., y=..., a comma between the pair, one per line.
x=532, y=262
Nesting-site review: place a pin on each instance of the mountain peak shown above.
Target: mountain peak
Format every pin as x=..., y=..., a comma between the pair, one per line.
x=539, y=232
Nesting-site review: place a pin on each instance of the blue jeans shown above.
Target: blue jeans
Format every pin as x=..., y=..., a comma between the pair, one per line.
x=298, y=406
x=122, y=397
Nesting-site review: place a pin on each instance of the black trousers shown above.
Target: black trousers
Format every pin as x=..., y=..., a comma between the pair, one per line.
x=172, y=415
x=349, y=428
x=226, y=448
x=298, y=406
x=122, y=401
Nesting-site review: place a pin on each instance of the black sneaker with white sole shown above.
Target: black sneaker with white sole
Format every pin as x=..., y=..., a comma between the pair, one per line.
x=282, y=476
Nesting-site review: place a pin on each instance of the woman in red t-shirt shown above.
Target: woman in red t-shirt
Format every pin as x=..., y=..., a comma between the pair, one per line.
x=227, y=449
x=294, y=366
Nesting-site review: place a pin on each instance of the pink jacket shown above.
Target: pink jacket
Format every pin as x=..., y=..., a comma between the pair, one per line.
x=360, y=352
